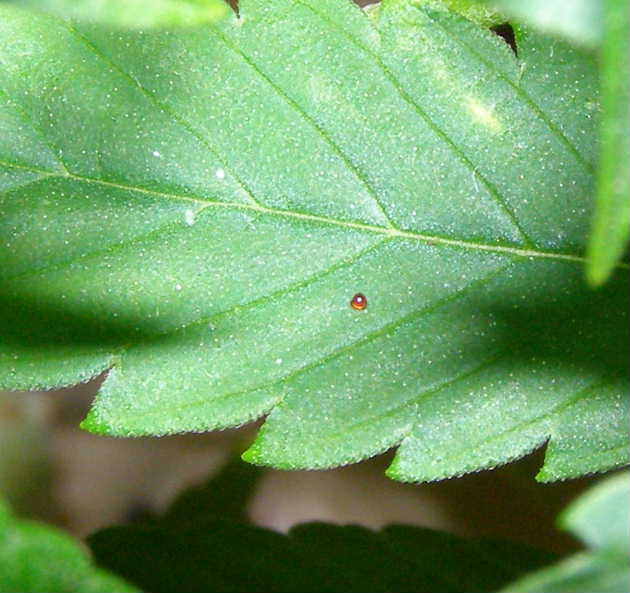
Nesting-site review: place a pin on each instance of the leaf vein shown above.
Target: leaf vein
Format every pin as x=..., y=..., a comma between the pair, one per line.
x=416, y=398
x=294, y=286
x=22, y=186
x=575, y=397
x=520, y=91
x=341, y=350
x=312, y=122
x=437, y=130
x=166, y=108
x=29, y=122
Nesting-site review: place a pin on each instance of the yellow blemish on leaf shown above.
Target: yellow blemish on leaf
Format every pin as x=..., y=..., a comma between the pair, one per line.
x=484, y=115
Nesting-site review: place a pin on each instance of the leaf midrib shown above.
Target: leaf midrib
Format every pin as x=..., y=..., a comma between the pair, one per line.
x=394, y=232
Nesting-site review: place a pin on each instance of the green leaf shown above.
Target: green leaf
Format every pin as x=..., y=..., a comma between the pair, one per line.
x=577, y=20
x=196, y=210
x=221, y=556
x=600, y=519
x=611, y=224
x=138, y=14
x=35, y=558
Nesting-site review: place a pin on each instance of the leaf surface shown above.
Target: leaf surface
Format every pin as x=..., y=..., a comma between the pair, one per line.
x=196, y=210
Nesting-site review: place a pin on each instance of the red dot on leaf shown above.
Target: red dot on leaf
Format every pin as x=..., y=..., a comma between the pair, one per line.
x=358, y=302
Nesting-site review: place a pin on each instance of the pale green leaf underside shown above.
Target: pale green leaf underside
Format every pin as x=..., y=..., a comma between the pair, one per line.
x=196, y=211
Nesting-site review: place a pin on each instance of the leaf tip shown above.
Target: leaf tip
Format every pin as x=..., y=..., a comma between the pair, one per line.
x=93, y=425
x=251, y=455
x=392, y=472
x=544, y=477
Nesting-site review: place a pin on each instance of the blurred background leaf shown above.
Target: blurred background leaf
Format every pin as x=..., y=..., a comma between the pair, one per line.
x=611, y=223
x=134, y=14
x=36, y=558
x=600, y=519
x=577, y=20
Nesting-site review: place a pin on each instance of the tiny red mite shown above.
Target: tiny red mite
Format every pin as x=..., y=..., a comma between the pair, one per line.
x=358, y=302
